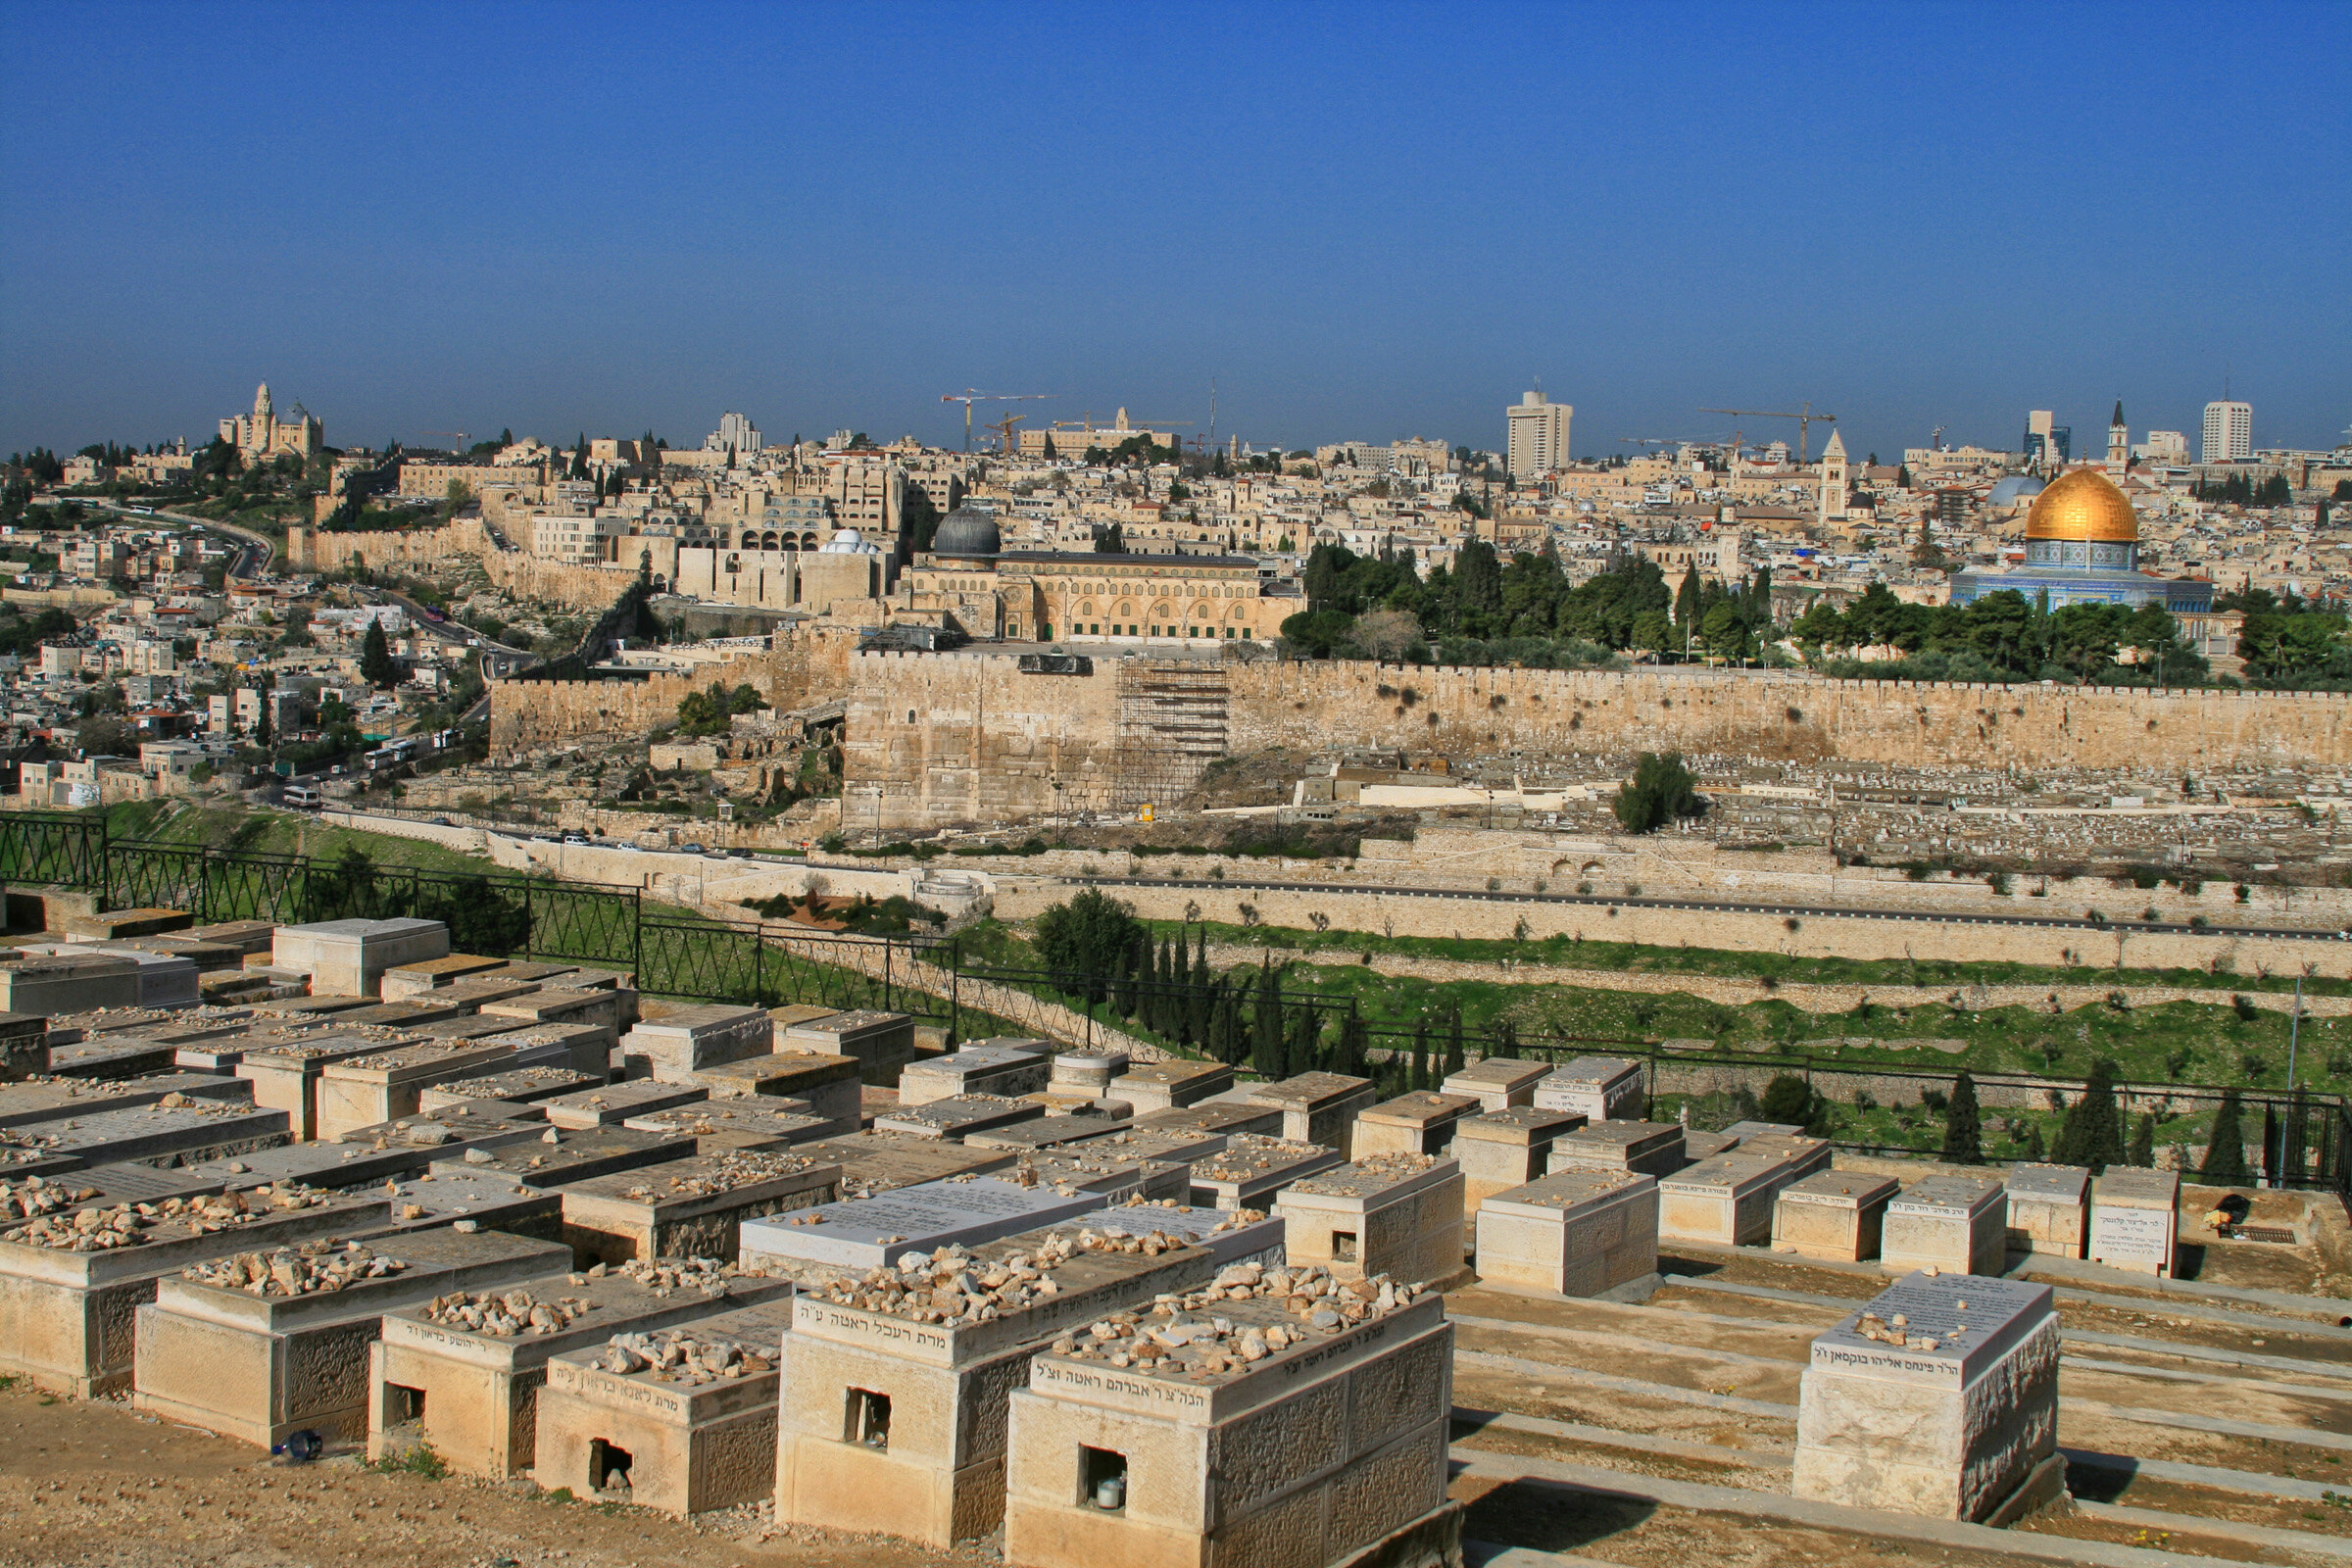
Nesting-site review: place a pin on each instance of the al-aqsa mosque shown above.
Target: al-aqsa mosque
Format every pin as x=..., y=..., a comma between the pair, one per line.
x=2083, y=548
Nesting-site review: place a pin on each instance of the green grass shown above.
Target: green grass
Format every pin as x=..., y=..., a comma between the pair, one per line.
x=234, y=830
x=418, y=1461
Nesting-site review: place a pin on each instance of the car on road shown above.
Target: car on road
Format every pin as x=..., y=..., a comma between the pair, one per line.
x=739, y=854
x=575, y=838
x=692, y=848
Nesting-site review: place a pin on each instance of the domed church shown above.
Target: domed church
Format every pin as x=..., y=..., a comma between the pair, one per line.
x=2083, y=548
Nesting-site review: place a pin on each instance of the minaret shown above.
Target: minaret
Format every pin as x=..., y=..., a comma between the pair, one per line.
x=1833, y=479
x=2119, y=444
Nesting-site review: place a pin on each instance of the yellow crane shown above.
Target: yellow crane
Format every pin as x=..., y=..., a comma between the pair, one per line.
x=1004, y=430
x=967, y=397
x=1805, y=420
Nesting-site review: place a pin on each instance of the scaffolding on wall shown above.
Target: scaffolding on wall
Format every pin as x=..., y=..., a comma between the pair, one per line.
x=1171, y=724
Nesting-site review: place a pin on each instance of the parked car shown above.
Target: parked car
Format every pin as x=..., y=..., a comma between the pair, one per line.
x=692, y=848
x=575, y=838
x=739, y=852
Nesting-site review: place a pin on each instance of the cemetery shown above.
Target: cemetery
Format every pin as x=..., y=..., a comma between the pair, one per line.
x=822, y=1269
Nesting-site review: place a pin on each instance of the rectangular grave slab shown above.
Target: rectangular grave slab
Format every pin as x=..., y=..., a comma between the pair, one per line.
x=209, y=958
x=284, y=1074
x=952, y=1118
x=248, y=937
x=107, y=1187
x=1397, y=1215
x=689, y=1208
x=1114, y=1177
x=472, y=1396
x=1643, y=1148
x=2134, y=1216
x=474, y=1027
x=2049, y=1209
x=333, y=1167
x=388, y=1084
x=1214, y=1117
x=112, y=923
x=1764, y=1129
x=1599, y=1088
x=1318, y=1108
x=688, y=1446
x=572, y=1155
x=521, y=1087
x=425, y=1202
x=1835, y=1214
x=587, y=1048
x=683, y=1040
x=1497, y=1082
x=1950, y=1415
x=1250, y=1170
x=46, y=987
x=608, y=1105
x=66, y=1317
x=789, y=1075
x=882, y=1044
x=987, y=1067
x=1151, y=1086
x=113, y=1057
x=718, y=1126
x=1173, y=1443
x=1959, y=1224
x=27, y=1105
x=166, y=981
x=1574, y=1232
x=349, y=957
x=403, y=1016
x=258, y=1368
x=1802, y=1155
x=1046, y=1132
x=415, y=979
x=155, y=1135
x=878, y=1162
x=589, y=1009
x=1232, y=1236
x=1417, y=1123
x=859, y=1234
x=1698, y=1143
x=1499, y=1150
x=1726, y=1200
x=884, y=1416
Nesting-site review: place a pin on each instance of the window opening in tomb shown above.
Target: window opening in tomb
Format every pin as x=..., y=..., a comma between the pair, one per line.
x=609, y=1465
x=1102, y=1479
x=868, y=1419
x=403, y=1404
x=1343, y=1246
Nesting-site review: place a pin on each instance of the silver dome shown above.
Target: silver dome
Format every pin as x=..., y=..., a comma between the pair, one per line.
x=967, y=532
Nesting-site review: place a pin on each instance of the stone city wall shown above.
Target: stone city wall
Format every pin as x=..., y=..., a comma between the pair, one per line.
x=317, y=550
x=1843, y=936
x=530, y=716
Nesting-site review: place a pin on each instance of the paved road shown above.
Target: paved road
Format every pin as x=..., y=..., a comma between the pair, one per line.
x=1721, y=906
x=252, y=560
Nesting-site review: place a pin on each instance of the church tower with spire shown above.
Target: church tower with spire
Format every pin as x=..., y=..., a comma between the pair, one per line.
x=1833, y=481
x=2119, y=444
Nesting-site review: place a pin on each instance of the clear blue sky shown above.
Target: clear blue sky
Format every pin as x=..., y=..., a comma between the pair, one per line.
x=1363, y=221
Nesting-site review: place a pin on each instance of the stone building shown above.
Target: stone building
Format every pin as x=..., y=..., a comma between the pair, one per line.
x=261, y=435
x=2083, y=548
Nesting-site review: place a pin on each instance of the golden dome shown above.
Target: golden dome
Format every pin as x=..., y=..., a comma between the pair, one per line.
x=2083, y=504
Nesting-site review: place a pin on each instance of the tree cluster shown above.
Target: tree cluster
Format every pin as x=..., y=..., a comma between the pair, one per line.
x=712, y=712
x=2001, y=636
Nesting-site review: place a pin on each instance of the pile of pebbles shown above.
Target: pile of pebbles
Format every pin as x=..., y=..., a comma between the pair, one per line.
x=677, y=1355
x=505, y=1314
x=35, y=1195
x=313, y=1268
x=1368, y=1175
x=1246, y=1154
x=951, y=1286
x=1896, y=1331
x=1186, y=1333
x=100, y=1230
x=413, y=1050
x=718, y=1173
x=663, y=1274
x=1231, y=1219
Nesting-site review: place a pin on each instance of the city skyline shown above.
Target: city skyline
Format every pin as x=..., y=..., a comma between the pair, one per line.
x=1352, y=247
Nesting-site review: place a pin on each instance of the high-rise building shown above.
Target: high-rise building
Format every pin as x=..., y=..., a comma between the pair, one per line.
x=2048, y=445
x=1537, y=437
x=2228, y=432
x=734, y=434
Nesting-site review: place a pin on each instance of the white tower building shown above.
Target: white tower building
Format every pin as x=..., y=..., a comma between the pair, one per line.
x=1833, y=479
x=1537, y=436
x=2228, y=432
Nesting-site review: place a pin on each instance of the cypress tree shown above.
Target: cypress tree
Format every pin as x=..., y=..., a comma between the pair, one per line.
x=2226, y=1148
x=1266, y=1050
x=1506, y=1040
x=1304, y=1036
x=2088, y=1135
x=1147, y=976
x=1420, y=1068
x=1201, y=994
x=2297, y=1119
x=2144, y=1141
x=1963, y=1129
x=1351, y=1047
x=2270, y=1142
x=2034, y=1152
x=1454, y=1059
x=1169, y=978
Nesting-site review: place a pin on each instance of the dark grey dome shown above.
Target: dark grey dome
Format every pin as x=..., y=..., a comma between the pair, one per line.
x=967, y=532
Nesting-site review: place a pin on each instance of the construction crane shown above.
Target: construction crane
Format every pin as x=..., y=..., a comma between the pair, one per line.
x=1805, y=420
x=967, y=397
x=1004, y=430
x=1936, y=438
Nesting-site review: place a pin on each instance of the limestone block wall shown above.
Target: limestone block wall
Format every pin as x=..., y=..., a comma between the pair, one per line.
x=529, y=716
x=314, y=550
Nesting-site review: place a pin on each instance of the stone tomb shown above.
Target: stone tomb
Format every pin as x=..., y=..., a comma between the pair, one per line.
x=1642, y=1148
x=1832, y=1214
x=66, y=1317
x=1086, y=1073
x=159, y=1134
x=261, y=1368
x=609, y=1104
x=600, y=1009
x=46, y=987
x=1006, y=1067
x=955, y=1116
x=1601, y=1088
x=1318, y=1108
x=882, y=1044
x=1497, y=1082
x=1726, y=1200
x=1329, y=1448
x=425, y=1202
x=893, y=1420
x=1220, y=1118
x=27, y=1104
x=879, y=1162
x=1417, y=1123
x=688, y=1440
x=1046, y=1132
x=718, y=1126
x=1397, y=1215
x=361, y=1090
x=113, y=1057
x=1114, y=1175
x=826, y=1086
x=416, y=979
x=557, y=1156
x=1803, y=1156
x=672, y=1047
x=587, y=1047
x=2133, y=1214
x=2049, y=1209
x=285, y=1076
x=859, y=1234
x=688, y=1207
x=1573, y=1233
x=1250, y=1170
x=1959, y=1224
x=1938, y=1398
x=521, y=1087
x=1499, y=1150
x=1170, y=1085
x=24, y=1047
x=1232, y=1236
x=349, y=957
x=473, y=1394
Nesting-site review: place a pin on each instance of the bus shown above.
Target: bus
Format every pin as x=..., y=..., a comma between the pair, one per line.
x=301, y=798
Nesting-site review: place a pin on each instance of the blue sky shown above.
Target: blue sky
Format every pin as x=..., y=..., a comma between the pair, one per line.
x=1363, y=221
